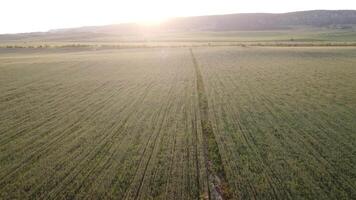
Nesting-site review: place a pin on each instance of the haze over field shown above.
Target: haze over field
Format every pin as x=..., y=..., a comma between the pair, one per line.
x=42, y=15
x=317, y=27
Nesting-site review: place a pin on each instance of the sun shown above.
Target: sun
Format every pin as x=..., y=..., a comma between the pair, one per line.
x=151, y=22
x=151, y=19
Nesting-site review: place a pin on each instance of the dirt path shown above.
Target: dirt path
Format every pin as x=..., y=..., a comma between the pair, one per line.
x=218, y=185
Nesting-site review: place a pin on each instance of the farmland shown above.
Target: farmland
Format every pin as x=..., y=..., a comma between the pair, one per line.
x=284, y=120
x=178, y=123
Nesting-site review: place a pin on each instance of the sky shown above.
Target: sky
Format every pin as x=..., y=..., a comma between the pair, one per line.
x=42, y=15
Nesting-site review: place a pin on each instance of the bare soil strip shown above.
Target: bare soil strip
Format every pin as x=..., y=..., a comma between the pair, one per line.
x=218, y=185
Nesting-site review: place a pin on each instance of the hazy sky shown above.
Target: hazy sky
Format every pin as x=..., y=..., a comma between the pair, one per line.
x=42, y=15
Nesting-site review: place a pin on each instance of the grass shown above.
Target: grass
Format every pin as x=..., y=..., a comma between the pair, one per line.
x=99, y=124
x=284, y=120
x=175, y=123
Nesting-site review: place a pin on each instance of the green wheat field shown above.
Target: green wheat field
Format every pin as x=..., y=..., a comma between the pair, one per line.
x=178, y=123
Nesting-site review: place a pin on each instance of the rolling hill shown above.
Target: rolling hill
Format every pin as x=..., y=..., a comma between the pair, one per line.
x=240, y=22
x=318, y=25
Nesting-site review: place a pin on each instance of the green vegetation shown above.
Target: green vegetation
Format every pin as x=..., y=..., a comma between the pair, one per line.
x=178, y=123
x=284, y=120
x=108, y=124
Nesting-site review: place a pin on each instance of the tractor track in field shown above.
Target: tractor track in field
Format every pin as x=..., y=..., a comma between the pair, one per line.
x=218, y=187
x=45, y=149
x=94, y=153
x=164, y=111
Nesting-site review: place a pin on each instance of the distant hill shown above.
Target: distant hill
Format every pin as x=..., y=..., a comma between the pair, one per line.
x=315, y=19
x=240, y=22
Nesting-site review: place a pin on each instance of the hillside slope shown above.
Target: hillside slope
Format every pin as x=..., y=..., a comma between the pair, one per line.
x=240, y=22
x=323, y=25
